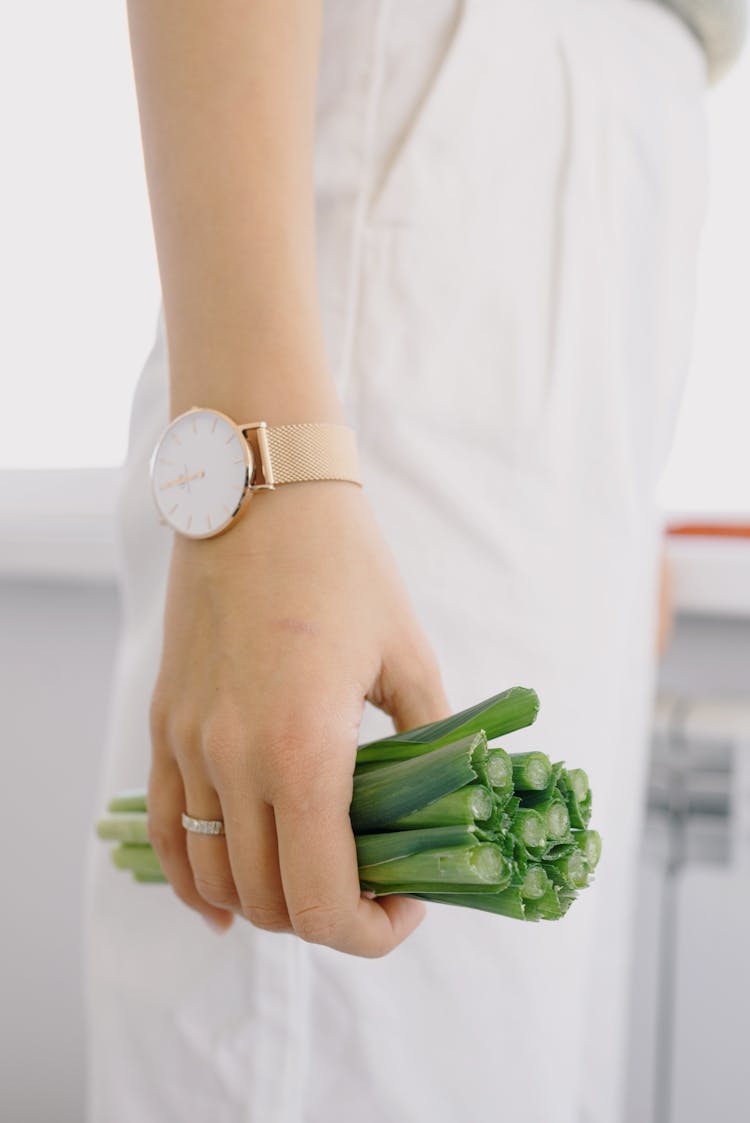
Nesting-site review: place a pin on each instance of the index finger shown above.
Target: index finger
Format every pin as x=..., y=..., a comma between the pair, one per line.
x=318, y=860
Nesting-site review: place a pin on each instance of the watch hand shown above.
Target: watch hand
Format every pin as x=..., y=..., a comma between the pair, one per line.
x=183, y=480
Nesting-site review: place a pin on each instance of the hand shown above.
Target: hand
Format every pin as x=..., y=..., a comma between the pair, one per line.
x=274, y=635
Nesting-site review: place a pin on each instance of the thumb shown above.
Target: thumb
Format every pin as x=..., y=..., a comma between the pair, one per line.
x=410, y=688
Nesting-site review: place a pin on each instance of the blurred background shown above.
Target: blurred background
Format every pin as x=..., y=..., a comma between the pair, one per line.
x=80, y=290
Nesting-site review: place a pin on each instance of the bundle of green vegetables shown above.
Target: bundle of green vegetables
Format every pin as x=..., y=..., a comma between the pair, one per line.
x=440, y=814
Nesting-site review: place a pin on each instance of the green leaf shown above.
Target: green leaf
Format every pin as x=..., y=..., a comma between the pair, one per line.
x=502, y=713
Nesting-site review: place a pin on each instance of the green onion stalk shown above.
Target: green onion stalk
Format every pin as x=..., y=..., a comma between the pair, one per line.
x=441, y=815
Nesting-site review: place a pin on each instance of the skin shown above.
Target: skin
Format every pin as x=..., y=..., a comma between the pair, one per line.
x=276, y=632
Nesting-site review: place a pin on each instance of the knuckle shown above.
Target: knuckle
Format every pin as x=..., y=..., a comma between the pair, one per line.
x=302, y=756
x=295, y=769
x=217, y=891
x=433, y=679
x=431, y=664
x=417, y=673
x=379, y=951
x=160, y=837
x=181, y=732
x=422, y=660
x=270, y=919
x=158, y=719
x=316, y=793
x=288, y=745
x=172, y=731
x=223, y=742
x=183, y=895
x=318, y=924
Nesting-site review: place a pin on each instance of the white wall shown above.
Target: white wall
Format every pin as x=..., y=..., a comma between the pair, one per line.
x=56, y=652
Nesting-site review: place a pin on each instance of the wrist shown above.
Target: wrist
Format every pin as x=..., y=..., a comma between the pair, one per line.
x=207, y=467
x=280, y=523
x=287, y=405
x=281, y=387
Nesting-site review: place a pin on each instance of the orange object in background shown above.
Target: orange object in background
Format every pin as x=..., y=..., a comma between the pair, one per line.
x=713, y=564
x=710, y=530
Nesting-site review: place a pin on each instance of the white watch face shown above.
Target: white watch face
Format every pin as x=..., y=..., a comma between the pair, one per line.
x=200, y=472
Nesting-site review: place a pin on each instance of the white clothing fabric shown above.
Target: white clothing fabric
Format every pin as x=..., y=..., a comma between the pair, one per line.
x=509, y=197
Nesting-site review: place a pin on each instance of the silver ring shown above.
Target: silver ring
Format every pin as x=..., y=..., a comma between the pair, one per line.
x=202, y=826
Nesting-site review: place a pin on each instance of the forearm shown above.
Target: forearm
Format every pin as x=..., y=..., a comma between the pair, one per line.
x=226, y=96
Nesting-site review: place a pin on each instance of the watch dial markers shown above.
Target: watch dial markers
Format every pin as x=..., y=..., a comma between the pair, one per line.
x=203, y=490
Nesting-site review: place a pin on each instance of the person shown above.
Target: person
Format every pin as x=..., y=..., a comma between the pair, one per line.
x=467, y=232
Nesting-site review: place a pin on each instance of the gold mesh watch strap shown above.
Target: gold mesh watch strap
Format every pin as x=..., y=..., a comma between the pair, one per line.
x=311, y=451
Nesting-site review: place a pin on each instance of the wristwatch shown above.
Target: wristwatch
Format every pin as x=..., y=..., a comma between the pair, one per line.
x=205, y=466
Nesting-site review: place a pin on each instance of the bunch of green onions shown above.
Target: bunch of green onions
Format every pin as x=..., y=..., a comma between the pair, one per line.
x=440, y=814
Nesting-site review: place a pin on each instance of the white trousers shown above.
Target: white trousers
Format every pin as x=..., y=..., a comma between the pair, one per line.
x=509, y=199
